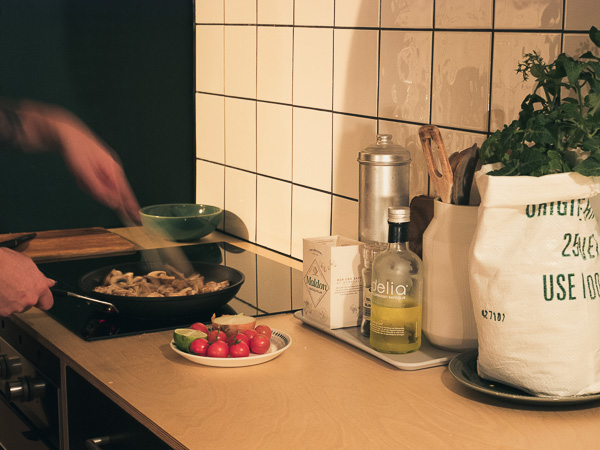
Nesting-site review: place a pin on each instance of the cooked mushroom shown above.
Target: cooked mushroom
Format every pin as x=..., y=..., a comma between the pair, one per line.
x=158, y=283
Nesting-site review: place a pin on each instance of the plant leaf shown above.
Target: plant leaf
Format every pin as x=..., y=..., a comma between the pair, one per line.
x=595, y=36
x=532, y=160
x=591, y=145
x=572, y=68
x=589, y=167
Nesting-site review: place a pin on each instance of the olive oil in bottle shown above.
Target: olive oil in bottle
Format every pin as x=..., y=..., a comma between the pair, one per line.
x=397, y=291
x=370, y=251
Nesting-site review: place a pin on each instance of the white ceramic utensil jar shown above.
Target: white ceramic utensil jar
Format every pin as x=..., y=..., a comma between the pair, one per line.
x=448, y=318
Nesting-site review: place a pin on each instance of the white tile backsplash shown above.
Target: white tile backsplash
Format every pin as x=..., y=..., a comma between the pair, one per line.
x=350, y=135
x=311, y=149
x=210, y=59
x=240, y=133
x=274, y=64
x=582, y=14
x=240, y=204
x=210, y=127
x=407, y=135
x=508, y=86
x=274, y=140
x=405, y=75
x=407, y=13
x=274, y=223
x=313, y=67
x=344, y=217
x=529, y=14
x=465, y=14
x=289, y=91
x=311, y=216
x=313, y=13
x=240, y=11
x=240, y=61
x=576, y=45
x=209, y=11
x=461, y=80
x=357, y=13
x=355, y=55
x=210, y=184
x=276, y=12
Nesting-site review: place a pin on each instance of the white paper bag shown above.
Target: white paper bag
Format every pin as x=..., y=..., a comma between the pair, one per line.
x=535, y=283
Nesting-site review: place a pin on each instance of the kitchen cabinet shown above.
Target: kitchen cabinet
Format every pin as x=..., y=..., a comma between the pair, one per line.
x=320, y=393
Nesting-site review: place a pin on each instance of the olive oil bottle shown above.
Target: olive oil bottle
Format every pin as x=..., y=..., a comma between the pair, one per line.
x=397, y=291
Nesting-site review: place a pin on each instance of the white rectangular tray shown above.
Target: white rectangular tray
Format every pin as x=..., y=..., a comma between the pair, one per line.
x=427, y=356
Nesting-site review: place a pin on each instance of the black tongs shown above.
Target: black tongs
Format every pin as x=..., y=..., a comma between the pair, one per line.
x=16, y=241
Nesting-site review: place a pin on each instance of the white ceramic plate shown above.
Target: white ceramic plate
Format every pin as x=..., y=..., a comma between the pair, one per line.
x=280, y=342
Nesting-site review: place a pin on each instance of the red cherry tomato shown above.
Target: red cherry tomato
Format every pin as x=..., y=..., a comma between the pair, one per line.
x=216, y=335
x=199, y=326
x=263, y=329
x=250, y=333
x=238, y=337
x=239, y=350
x=218, y=349
x=199, y=346
x=259, y=344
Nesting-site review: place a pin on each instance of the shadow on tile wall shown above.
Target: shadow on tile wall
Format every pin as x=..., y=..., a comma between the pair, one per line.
x=289, y=91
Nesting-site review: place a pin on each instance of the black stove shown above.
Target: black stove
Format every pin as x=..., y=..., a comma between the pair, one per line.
x=270, y=288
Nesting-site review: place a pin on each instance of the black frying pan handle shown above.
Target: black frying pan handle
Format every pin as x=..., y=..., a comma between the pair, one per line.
x=100, y=304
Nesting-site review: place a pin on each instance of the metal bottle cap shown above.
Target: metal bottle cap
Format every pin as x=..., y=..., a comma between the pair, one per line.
x=398, y=214
x=384, y=152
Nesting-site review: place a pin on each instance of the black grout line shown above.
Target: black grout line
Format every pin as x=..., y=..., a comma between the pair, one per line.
x=563, y=21
x=256, y=147
x=378, y=69
x=332, y=130
x=292, y=144
x=323, y=191
x=342, y=113
x=433, y=28
x=492, y=48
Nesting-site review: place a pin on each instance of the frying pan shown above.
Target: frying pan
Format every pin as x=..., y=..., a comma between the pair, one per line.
x=166, y=307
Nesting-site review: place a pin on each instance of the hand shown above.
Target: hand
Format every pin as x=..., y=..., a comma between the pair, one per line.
x=96, y=169
x=22, y=285
x=93, y=164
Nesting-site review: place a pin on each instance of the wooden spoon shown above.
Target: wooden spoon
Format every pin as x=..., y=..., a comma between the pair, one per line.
x=463, y=175
x=442, y=180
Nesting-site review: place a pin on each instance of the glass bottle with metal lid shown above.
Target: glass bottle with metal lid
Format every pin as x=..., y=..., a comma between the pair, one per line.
x=384, y=179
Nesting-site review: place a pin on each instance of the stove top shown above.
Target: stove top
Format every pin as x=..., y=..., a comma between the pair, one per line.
x=270, y=288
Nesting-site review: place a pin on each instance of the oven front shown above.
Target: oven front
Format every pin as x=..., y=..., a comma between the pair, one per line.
x=29, y=392
x=44, y=405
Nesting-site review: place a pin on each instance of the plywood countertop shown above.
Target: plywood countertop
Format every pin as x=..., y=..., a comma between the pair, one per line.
x=320, y=393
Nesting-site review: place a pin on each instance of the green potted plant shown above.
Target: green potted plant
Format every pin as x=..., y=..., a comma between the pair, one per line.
x=535, y=257
x=558, y=127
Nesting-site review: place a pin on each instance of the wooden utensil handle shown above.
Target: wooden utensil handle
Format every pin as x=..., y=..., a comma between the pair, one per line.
x=442, y=181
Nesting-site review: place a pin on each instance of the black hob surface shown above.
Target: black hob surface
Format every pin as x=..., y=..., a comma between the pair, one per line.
x=269, y=288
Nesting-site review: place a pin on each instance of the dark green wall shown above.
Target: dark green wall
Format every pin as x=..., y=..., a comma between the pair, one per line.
x=125, y=67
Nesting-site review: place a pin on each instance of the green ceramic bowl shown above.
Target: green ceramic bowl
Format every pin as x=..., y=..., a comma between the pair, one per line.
x=181, y=221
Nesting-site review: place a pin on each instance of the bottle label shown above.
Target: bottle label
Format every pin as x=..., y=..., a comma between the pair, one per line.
x=389, y=290
x=391, y=331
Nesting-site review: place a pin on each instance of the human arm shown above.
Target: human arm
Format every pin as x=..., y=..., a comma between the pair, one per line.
x=22, y=285
x=35, y=127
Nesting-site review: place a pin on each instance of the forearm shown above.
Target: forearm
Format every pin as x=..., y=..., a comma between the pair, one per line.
x=28, y=126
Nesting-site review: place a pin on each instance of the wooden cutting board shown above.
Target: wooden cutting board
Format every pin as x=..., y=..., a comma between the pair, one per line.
x=79, y=243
